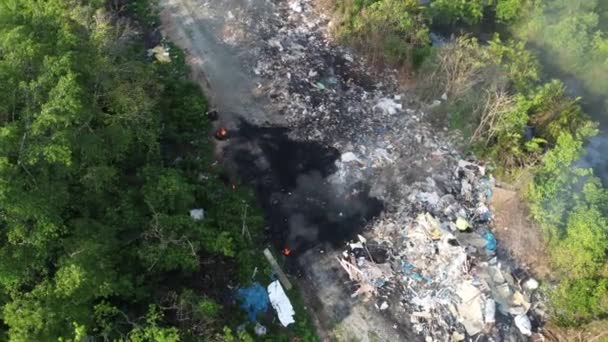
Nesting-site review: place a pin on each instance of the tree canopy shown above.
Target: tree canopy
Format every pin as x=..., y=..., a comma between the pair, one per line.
x=103, y=152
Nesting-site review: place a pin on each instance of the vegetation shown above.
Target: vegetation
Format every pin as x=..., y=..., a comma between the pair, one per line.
x=102, y=155
x=513, y=113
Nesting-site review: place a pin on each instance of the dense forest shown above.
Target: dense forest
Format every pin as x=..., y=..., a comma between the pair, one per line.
x=501, y=72
x=104, y=152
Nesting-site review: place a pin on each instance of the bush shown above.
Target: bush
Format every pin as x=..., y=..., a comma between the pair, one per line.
x=578, y=301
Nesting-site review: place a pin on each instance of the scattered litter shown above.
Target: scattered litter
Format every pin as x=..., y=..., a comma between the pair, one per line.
x=435, y=103
x=197, y=214
x=522, y=322
x=470, y=308
x=462, y=224
x=260, y=330
x=531, y=284
x=383, y=306
x=491, y=241
x=281, y=304
x=389, y=106
x=319, y=86
x=349, y=157
x=296, y=6
x=160, y=53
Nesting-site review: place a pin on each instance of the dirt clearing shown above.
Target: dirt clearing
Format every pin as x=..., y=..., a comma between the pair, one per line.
x=517, y=233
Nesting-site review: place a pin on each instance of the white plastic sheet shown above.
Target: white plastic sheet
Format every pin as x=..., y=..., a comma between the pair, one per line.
x=281, y=304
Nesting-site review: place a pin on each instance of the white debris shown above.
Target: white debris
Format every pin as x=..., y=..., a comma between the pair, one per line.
x=197, y=214
x=444, y=97
x=531, y=284
x=435, y=103
x=356, y=245
x=281, y=304
x=522, y=322
x=275, y=43
x=490, y=311
x=259, y=329
x=160, y=53
x=470, y=309
x=383, y=306
x=431, y=198
x=296, y=6
x=388, y=106
x=349, y=157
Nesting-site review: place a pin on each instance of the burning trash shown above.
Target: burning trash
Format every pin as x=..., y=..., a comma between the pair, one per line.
x=286, y=251
x=221, y=133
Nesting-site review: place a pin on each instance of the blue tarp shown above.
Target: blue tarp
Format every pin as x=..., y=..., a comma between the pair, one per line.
x=254, y=300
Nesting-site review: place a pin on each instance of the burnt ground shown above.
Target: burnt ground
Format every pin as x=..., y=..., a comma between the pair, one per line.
x=290, y=179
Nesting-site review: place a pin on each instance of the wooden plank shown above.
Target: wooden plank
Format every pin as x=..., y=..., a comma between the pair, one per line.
x=277, y=269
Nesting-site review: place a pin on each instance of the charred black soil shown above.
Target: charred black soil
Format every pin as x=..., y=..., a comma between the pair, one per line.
x=289, y=177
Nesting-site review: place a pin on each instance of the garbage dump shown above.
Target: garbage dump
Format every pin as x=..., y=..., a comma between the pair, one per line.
x=443, y=273
x=441, y=270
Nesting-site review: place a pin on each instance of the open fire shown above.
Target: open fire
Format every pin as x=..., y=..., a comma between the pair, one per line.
x=221, y=133
x=286, y=251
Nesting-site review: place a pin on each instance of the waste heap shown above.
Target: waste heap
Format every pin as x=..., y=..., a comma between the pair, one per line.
x=445, y=276
x=441, y=270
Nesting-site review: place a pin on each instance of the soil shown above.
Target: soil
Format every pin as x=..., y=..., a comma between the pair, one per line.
x=517, y=233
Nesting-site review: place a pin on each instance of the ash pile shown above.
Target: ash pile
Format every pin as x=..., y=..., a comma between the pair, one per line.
x=435, y=263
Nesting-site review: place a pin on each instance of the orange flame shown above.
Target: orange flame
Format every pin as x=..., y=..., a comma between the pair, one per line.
x=286, y=251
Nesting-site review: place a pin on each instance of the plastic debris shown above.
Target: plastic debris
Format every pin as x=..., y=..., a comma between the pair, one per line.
x=349, y=157
x=522, y=322
x=197, y=214
x=491, y=241
x=254, y=300
x=470, y=308
x=388, y=106
x=383, y=306
x=462, y=224
x=483, y=213
x=260, y=330
x=319, y=86
x=490, y=311
x=531, y=284
x=281, y=304
x=160, y=53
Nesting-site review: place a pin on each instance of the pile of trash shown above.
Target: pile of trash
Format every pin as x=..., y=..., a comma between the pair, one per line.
x=431, y=260
x=443, y=274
